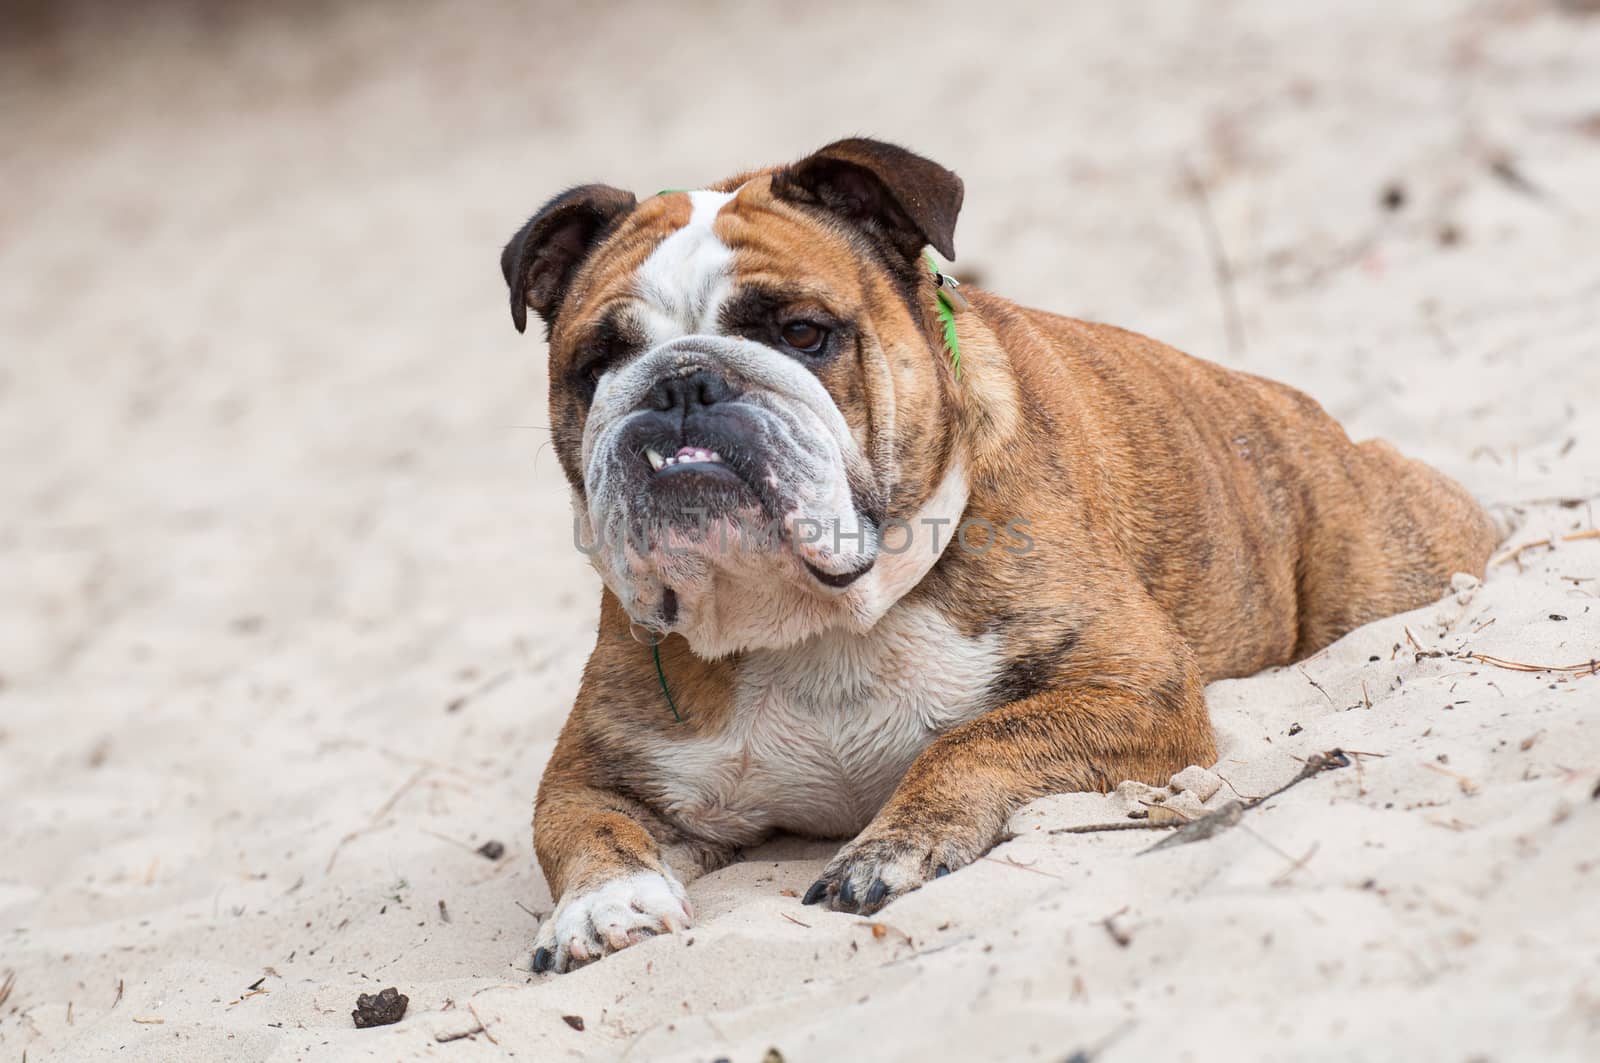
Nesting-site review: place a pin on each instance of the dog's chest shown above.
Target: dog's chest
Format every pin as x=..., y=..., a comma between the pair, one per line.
x=820, y=734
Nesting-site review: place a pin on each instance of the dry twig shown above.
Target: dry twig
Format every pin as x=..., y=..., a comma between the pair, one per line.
x=377, y=817
x=1214, y=823
x=1516, y=552
x=483, y=1026
x=1297, y=865
x=1220, y=265
x=1589, y=667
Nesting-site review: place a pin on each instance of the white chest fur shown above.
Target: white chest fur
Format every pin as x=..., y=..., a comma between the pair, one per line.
x=820, y=733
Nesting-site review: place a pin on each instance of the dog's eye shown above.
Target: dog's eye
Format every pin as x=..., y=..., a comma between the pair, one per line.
x=588, y=376
x=606, y=349
x=806, y=337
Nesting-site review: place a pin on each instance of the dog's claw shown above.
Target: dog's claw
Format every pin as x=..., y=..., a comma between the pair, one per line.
x=818, y=890
x=887, y=862
x=543, y=959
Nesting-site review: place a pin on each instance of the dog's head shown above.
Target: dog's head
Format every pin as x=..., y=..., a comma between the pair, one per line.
x=747, y=390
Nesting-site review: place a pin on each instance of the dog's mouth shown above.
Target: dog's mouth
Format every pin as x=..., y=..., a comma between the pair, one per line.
x=720, y=481
x=714, y=460
x=692, y=461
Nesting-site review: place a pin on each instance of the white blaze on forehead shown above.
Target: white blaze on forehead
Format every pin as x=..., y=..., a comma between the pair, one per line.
x=684, y=281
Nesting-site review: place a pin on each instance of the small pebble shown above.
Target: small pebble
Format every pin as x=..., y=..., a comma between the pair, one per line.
x=1138, y=794
x=380, y=1009
x=1185, y=805
x=1198, y=781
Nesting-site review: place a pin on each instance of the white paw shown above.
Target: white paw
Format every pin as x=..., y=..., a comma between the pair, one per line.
x=612, y=916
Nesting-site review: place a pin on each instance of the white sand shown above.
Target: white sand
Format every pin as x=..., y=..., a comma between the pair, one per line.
x=275, y=502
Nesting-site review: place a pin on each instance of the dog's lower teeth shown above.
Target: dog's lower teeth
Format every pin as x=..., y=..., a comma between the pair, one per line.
x=695, y=455
x=685, y=456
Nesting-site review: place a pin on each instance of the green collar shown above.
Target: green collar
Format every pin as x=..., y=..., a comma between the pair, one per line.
x=661, y=675
x=950, y=300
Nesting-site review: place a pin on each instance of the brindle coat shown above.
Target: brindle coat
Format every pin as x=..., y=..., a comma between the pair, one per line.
x=1188, y=523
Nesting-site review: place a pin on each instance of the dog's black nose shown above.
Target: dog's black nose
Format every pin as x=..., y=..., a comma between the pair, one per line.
x=686, y=394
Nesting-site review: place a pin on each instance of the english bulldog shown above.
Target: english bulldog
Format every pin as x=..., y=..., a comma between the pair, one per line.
x=885, y=558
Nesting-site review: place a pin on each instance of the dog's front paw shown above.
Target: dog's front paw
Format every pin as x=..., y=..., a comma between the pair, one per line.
x=887, y=862
x=613, y=915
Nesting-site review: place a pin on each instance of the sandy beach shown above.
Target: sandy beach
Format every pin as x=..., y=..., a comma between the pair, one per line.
x=290, y=613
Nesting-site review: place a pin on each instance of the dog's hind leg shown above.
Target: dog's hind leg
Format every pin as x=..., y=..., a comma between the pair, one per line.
x=1406, y=529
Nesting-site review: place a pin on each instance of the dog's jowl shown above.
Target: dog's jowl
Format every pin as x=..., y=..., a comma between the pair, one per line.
x=885, y=558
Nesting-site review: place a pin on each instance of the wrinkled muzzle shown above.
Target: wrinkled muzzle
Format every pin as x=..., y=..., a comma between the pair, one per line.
x=723, y=493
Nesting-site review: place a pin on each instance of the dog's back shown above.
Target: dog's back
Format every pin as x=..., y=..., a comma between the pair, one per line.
x=1223, y=487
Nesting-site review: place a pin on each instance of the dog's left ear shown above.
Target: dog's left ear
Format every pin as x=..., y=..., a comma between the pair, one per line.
x=540, y=260
x=908, y=199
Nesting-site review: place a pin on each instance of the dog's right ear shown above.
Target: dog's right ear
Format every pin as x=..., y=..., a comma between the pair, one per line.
x=540, y=260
